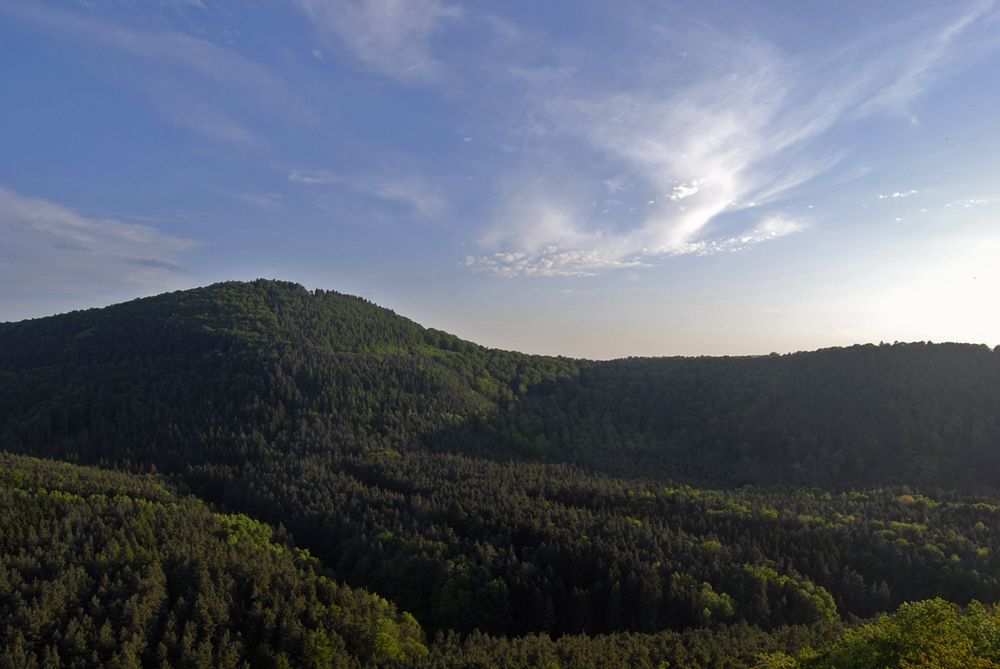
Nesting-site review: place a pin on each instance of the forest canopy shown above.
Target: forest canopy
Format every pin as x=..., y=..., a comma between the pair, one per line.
x=536, y=506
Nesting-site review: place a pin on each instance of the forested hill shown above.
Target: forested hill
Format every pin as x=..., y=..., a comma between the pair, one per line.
x=250, y=366
x=515, y=494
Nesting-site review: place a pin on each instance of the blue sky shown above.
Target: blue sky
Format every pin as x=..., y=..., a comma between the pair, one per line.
x=578, y=178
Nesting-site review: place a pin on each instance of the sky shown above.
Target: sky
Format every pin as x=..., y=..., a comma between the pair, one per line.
x=576, y=178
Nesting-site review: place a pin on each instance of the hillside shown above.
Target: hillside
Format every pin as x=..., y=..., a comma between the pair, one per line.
x=104, y=569
x=515, y=494
x=263, y=359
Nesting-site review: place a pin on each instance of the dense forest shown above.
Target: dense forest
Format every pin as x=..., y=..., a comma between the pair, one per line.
x=436, y=502
x=103, y=569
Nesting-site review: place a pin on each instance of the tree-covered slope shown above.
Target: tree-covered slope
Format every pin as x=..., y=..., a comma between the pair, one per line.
x=247, y=364
x=107, y=569
x=904, y=413
x=103, y=569
x=491, y=490
x=933, y=633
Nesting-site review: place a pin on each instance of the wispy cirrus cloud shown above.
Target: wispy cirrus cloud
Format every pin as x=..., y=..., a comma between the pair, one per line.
x=915, y=66
x=552, y=261
x=191, y=81
x=558, y=261
x=49, y=249
x=314, y=177
x=266, y=200
x=972, y=202
x=389, y=37
x=412, y=191
x=739, y=134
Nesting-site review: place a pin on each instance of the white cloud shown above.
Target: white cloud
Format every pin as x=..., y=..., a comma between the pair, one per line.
x=898, y=194
x=390, y=37
x=306, y=177
x=742, y=131
x=770, y=228
x=683, y=191
x=557, y=261
x=549, y=262
x=51, y=250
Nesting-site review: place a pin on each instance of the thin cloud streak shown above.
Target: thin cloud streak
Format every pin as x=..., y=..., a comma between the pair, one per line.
x=924, y=60
x=556, y=261
x=743, y=136
x=160, y=65
x=389, y=37
x=409, y=190
x=550, y=262
x=49, y=248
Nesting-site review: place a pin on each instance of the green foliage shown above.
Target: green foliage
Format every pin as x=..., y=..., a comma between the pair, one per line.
x=98, y=580
x=931, y=633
